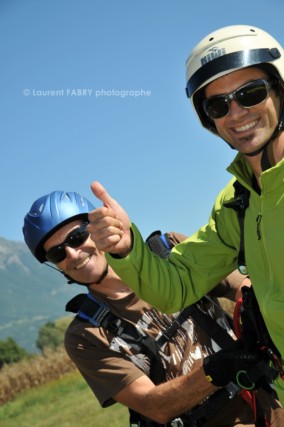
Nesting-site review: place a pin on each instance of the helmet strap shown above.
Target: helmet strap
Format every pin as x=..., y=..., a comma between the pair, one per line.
x=70, y=280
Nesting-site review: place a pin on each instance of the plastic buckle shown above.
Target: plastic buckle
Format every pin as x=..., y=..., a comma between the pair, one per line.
x=177, y=422
x=232, y=390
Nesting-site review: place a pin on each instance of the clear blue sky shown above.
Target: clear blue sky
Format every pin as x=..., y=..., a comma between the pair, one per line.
x=64, y=120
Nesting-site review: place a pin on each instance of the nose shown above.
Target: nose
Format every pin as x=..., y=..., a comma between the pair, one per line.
x=236, y=110
x=71, y=252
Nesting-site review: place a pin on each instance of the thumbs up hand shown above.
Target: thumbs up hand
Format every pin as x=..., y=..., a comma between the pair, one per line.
x=109, y=225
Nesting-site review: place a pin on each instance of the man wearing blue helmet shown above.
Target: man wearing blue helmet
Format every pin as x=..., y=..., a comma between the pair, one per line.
x=51, y=215
x=126, y=350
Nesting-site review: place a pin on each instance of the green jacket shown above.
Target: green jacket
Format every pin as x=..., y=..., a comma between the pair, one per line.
x=201, y=261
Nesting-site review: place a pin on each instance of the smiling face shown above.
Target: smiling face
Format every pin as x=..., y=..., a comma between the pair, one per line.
x=245, y=129
x=84, y=263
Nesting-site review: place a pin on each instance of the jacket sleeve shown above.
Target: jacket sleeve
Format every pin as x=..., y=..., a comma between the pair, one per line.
x=194, y=267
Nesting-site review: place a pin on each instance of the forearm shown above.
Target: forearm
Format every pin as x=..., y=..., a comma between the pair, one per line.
x=167, y=284
x=166, y=401
x=173, y=398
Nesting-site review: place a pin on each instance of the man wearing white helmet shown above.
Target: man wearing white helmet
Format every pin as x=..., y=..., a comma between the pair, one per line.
x=235, y=81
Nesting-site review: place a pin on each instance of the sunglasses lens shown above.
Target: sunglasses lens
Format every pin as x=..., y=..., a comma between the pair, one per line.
x=75, y=239
x=56, y=254
x=252, y=94
x=247, y=96
x=216, y=107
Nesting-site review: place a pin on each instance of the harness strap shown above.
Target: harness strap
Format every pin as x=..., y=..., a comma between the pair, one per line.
x=240, y=204
x=88, y=308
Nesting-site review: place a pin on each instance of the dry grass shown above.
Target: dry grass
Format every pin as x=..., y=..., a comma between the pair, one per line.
x=30, y=373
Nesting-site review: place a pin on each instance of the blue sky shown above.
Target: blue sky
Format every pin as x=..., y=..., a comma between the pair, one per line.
x=69, y=72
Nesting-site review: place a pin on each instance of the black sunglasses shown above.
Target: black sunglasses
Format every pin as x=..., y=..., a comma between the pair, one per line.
x=247, y=96
x=74, y=239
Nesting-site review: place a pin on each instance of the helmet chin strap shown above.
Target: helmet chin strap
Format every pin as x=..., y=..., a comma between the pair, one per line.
x=70, y=280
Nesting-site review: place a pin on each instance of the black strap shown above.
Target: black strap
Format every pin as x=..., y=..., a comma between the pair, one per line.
x=209, y=408
x=204, y=320
x=240, y=204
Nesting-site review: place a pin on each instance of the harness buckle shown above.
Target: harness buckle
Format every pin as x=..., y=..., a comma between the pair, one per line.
x=177, y=422
x=232, y=389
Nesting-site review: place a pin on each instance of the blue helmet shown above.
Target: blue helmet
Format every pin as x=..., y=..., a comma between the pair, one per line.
x=49, y=213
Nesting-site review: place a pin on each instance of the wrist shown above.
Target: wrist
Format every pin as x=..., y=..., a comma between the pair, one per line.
x=124, y=254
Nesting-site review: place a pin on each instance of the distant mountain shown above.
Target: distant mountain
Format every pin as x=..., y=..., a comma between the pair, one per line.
x=31, y=294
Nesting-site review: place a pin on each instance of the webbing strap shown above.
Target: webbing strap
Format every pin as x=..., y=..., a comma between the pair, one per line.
x=240, y=204
x=205, y=321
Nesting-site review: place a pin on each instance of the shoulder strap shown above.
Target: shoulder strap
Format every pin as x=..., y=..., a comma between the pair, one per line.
x=204, y=320
x=88, y=308
x=240, y=204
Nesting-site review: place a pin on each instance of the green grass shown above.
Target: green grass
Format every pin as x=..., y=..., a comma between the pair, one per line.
x=67, y=402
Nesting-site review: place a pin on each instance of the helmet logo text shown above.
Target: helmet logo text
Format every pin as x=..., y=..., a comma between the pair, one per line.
x=213, y=53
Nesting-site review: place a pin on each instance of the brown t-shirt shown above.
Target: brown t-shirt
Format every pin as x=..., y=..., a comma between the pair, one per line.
x=109, y=363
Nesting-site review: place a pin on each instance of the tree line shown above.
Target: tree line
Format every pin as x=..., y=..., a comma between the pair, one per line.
x=50, y=335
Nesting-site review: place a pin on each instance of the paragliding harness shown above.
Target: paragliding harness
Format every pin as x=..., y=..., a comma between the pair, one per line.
x=248, y=321
x=98, y=314
x=90, y=310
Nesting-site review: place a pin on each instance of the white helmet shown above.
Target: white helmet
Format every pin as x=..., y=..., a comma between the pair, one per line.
x=224, y=51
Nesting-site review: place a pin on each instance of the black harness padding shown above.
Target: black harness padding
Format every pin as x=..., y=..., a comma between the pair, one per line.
x=159, y=244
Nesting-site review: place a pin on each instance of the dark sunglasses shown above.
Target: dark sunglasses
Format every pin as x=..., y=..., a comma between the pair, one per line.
x=74, y=239
x=247, y=96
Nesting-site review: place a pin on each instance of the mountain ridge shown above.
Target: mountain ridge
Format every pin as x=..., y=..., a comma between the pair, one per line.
x=31, y=294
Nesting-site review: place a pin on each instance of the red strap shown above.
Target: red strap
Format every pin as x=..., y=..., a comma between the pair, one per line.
x=250, y=398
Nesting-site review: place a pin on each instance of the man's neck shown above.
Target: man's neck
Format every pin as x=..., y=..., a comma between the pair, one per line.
x=275, y=153
x=111, y=287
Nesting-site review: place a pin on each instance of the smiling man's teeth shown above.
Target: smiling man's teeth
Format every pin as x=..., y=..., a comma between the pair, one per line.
x=83, y=263
x=246, y=127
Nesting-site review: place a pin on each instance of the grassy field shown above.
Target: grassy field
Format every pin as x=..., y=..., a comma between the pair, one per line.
x=67, y=402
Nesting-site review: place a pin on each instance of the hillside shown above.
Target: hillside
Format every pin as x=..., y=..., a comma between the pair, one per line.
x=31, y=294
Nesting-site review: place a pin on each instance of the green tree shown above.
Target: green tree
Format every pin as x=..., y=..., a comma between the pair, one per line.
x=51, y=334
x=11, y=352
